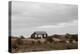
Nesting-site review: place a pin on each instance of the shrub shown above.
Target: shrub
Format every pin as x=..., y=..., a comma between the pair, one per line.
x=14, y=44
x=74, y=37
x=19, y=41
x=22, y=37
x=67, y=35
x=33, y=42
x=49, y=39
x=38, y=42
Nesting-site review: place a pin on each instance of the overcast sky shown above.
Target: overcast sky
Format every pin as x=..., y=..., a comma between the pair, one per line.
x=53, y=18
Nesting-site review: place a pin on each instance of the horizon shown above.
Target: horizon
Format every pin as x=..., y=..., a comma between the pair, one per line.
x=47, y=33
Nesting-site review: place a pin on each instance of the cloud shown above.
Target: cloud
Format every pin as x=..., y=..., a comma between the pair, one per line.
x=31, y=16
x=36, y=14
x=49, y=26
x=60, y=25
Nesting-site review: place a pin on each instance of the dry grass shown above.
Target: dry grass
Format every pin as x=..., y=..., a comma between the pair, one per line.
x=29, y=45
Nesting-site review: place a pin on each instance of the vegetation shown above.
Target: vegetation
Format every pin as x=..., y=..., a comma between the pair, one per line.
x=72, y=37
x=22, y=37
x=28, y=45
x=49, y=39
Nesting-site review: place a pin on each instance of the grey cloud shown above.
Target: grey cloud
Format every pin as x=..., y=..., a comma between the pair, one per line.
x=27, y=15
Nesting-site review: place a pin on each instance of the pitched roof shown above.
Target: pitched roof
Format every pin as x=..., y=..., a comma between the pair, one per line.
x=40, y=32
